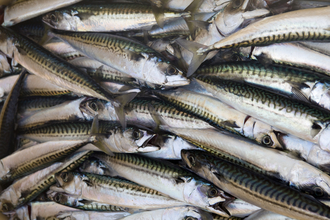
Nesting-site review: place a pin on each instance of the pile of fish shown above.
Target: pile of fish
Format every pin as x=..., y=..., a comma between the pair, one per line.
x=165, y=109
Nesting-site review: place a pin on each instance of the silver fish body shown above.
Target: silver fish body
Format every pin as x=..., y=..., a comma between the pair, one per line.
x=172, y=181
x=290, y=116
x=292, y=54
x=27, y=188
x=23, y=10
x=176, y=213
x=307, y=24
x=106, y=17
x=126, y=55
x=90, y=215
x=267, y=215
x=28, y=160
x=114, y=191
x=276, y=164
x=221, y=115
x=254, y=188
x=111, y=136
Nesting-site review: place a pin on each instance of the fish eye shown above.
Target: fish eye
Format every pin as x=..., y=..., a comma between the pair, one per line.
x=318, y=191
x=53, y=17
x=93, y=106
x=191, y=159
x=65, y=177
x=266, y=140
x=237, y=3
x=57, y=198
x=171, y=70
x=190, y=218
x=136, y=134
x=5, y=207
x=213, y=192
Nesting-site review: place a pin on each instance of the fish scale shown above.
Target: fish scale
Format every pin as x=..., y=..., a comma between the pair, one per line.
x=254, y=188
x=41, y=102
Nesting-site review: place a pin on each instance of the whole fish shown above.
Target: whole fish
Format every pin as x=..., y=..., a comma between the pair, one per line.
x=269, y=162
x=110, y=135
x=115, y=191
x=290, y=116
x=107, y=17
x=176, y=213
x=292, y=54
x=41, y=62
x=300, y=25
x=254, y=188
x=8, y=118
x=126, y=55
x=21, y=10
x=290, y=82
x=77, y=202
x=170, y=180
x=29, y=187
x=29, y=160
x=221, y=115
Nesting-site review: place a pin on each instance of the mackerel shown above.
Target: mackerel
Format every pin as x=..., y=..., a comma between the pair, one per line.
x=34, y=158
x=293, y=83
x=21, y=10
x=267, y=215
x=291, y=54
x=115, y=191
x=29, y=187
x=8, y=118
x=288, y=115
x=300, y=25
x=269, y=162
x=254, y=188
x=110, y=135
x=41, y=62
x=78, y=203
x=176, y=213
x=106, y=17
x=126, y=55
x=221, y=116
x=168, y=179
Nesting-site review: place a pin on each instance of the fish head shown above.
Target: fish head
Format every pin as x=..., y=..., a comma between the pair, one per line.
x=62, y=20
x=234, y=15
x=93, y=166
x=92, y=107
x=171, y=75
x=192, y=159
x=21, y=213
x=3, y=171
x=265, y=135
x=136, y=139
x=9, y=199
x=63, y=198
x=67, y=182
x=186, y=213
x=207, y=195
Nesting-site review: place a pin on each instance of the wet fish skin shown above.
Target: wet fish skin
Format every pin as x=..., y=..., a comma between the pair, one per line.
x=22, y=10
x=312, y=25
x=106, y=17
x=111, y=137
x=251, y=187
x=126, y=55
x=221, y=115
x=171, y=180
x=41, y=62
x=116, y=191
x=290, y=116
x=8, y=118
x=291, y=82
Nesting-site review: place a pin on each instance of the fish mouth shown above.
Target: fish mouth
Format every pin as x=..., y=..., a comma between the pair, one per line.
x=220, y=209
x=148, y=145
x=176, y=80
